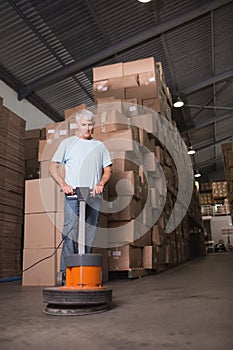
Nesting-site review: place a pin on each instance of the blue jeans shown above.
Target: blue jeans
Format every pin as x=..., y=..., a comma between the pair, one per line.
x=71, y=222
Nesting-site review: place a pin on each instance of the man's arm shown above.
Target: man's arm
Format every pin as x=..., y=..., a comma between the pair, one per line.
x=99, y=188
x=54, y=172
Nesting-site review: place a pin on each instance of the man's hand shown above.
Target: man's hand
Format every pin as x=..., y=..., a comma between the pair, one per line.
x=98, y=189
x=67, y=189
x=53, y=170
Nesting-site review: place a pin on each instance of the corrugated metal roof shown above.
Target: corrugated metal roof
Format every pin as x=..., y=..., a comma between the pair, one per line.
x=193, y=40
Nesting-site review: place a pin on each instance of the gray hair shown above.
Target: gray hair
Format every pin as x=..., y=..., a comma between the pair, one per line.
x=85, y=114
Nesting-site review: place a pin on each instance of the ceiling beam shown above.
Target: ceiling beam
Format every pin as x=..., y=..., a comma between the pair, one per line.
x=211, y=144
x=209, y=162
x=8, y=79
x=210, y=107
x=213, y=80
x=73, y=68
x=36, y=101
x=204, y=123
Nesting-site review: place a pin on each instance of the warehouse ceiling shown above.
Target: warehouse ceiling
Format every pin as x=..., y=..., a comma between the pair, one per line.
x=49, y=48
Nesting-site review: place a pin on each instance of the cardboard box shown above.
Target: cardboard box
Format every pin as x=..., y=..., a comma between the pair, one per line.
x=128, y=232
x=31, y=153
x=125, y=183
x=116, y=94
x=42, y=274
x=72, y=127
x=154, y=258
x=44, y=169
x=40, y=195
x=69, y=112
x=154, y=198
x=129, y=134
x=142, y=92
x=159, y=236
x=124, y=208
x=32, y=134
x=57, y=130
x=147, y=215
x=123, y=161
x=147, y=121
x=123, y=82
x=116, y=83
x=102, y=85
x=169, y=96
x=159, y=69
x=146, y=142
x=122, y=140
x=124, y=258
x=161, y=255
x=108, y=106
x=148, y=78
x=39, y=230
x=149, y=162
x=59, y=200
x=58, y=258
x=159, y=154
x=149, y=257
x=108, y=71
x=156, y=104
x=47, y=149
x=110, y=120
x=106, y=100
x=132, y=107
x=139, y=66
x=59, y=221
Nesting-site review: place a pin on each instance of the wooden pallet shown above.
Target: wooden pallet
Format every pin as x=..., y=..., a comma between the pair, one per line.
x=130, y=273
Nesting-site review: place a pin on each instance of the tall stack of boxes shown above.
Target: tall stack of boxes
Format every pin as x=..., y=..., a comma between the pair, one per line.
x=206, y=195
x=227, y=150
x=41, y=226
x=133, y=89
x=214, y=198
x=127, y=96
x=12, y=129
x=44, y=214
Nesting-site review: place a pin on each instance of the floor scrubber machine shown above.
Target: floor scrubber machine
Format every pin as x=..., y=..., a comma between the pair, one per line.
x=83, y=292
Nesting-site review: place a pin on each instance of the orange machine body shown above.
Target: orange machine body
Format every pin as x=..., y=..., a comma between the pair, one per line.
x=83, y=277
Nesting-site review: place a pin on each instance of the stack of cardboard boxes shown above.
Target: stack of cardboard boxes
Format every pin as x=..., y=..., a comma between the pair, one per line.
x=12, y=129
x=227, y=150
x=132, y=105
x=125, y=94
x=44, y=213
x=32, y=165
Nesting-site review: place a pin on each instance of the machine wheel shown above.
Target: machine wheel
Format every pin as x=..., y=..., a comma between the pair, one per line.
x=68, y=302
x=73, y=310
x=61, y=296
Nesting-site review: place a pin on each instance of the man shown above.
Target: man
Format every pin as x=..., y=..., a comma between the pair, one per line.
x=87, y=164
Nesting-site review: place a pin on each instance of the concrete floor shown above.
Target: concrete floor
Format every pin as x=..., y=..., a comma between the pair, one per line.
x=187, y=307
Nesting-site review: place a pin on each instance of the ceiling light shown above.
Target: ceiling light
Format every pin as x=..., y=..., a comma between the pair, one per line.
x=178, y=103
x=197, y=173
x=191, y=150
x=144, y=1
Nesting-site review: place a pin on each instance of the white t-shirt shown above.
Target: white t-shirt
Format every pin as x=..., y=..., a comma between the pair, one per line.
x=84, y=161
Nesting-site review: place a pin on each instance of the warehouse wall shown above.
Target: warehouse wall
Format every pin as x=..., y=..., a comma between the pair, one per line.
x=217, y=224
x=35, y=119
